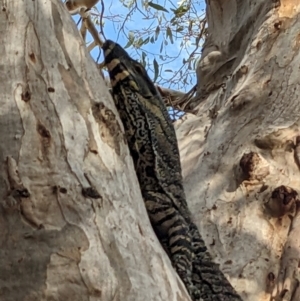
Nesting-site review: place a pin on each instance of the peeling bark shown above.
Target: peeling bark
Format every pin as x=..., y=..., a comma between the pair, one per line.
x=73, y=223
x=239, y=163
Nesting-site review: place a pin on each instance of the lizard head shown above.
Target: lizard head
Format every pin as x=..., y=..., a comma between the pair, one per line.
x=125, y=71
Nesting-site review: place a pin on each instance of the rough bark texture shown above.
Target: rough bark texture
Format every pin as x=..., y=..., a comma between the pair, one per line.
x=73, y=223
x=240, y=153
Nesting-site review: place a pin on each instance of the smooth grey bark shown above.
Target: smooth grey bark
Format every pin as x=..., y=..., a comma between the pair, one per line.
x=72, y=221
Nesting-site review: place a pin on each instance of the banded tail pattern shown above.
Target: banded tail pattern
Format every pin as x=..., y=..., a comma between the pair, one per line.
x=153, y=146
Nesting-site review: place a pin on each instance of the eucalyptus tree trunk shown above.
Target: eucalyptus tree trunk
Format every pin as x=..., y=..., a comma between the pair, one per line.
x=241, y=150
x=72, y=221
x=73, y=225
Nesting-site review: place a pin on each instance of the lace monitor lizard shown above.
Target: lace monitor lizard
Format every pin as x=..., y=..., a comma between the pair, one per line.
x=153, y=146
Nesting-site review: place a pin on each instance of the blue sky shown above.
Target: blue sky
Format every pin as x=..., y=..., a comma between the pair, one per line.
x=139, y=24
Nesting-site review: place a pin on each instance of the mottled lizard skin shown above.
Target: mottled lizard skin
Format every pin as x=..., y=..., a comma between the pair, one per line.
x=153, y=147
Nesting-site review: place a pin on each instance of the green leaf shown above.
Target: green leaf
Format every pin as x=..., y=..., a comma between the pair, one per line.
x=161, y=47
x=169, y=34
x=191, y=22
x=139, y=42
x=156, y=69
x=129, y=43
x=174, y=21
x=144, y=57
x=157, y=7
x=130, y=40
x=179, y=29
x=146, y=41
x=157, y=31
x=181, y=10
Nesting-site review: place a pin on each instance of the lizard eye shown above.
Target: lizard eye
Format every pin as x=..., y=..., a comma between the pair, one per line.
x=139, y=69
